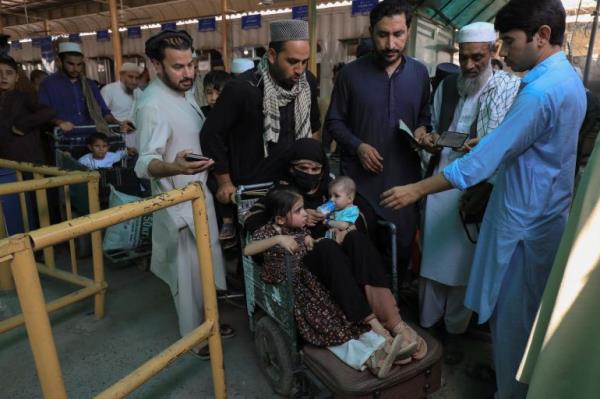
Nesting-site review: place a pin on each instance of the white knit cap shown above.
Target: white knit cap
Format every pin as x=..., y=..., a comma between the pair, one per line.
x=241, y=65
x=69, y=47
x=477, y=32
x=131, y=67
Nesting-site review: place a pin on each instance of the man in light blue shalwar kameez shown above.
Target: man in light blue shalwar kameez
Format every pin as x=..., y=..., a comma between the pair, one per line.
x=533, y=151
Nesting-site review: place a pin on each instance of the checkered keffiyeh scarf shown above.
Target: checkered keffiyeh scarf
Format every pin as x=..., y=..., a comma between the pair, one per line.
x=276, y=96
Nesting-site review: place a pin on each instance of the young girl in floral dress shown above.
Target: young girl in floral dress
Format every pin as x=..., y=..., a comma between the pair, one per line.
x=319, y=320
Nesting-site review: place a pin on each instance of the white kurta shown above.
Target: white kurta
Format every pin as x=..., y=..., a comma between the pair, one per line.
x=121, y=105
x=167, y=123
x=447, y=252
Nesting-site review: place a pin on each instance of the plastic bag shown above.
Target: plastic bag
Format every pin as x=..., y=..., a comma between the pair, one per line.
x=131, y=234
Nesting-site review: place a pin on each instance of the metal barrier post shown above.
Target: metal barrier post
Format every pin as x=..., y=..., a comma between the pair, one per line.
x=209, y=294
x=97, y=259
x=37, y=322
x=44, y=215
x=6, y=280
x=23, y=202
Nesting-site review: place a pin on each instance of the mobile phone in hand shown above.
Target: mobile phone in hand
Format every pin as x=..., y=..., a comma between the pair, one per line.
x=452, y=139
x=191, y=157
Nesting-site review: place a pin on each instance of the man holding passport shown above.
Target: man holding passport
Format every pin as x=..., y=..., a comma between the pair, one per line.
x=472, y=102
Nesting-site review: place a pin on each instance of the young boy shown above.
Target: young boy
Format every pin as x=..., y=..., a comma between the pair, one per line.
x=342, y=191
x=99, y=156
x=213, y=83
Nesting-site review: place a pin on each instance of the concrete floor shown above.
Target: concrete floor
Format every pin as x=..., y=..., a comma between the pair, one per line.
x=140, y=321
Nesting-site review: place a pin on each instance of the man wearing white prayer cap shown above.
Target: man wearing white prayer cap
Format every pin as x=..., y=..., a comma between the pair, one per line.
x=262, y=112
x=474, y=101
x=241, y=65
x=120, y=96
x=75, y=98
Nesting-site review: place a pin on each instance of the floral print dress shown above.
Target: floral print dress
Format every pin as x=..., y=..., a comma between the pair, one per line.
x=319, y=320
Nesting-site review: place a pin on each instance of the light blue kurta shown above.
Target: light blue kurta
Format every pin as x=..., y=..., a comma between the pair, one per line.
x=534, y=151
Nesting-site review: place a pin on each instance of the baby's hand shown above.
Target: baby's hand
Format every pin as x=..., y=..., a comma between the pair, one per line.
x=288, y=243
x=309, y=242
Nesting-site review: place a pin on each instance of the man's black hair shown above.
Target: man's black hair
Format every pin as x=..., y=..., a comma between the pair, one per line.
x=62, y=56
x=174, y=39
x=277, y=46
x=530, y=15
x=97, y=137
x=216, y=79
x=37, y=73
x=8, y=60
x=389, y=8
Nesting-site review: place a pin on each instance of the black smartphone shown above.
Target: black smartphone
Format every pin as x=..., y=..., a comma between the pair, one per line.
x=452, y=139
x=191, y=157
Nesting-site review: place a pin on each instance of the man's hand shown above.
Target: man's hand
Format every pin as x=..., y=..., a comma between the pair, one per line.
x=131, y=151
x=313, y=217
x=190, y=168
x=126, y=127
x=224, y=193
x=427, y=142
x=400, y=196
x=470, y=144
x=288, y=243
x=370, y=158
x=65, y=126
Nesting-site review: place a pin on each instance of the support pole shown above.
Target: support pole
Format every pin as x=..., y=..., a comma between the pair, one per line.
x=6, y=280
x=312, y=27
x=209, y=294
x=97, y=259
x=590, y=54
x=115, y=37
x=225, y=35
x=31, y=299
x=47, y=27
x=41, y=198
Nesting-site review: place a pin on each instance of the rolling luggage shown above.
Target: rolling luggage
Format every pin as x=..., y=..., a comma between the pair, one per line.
x=415, y=380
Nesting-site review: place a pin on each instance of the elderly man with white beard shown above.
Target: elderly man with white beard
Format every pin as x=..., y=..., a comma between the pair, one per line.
x=474, y=101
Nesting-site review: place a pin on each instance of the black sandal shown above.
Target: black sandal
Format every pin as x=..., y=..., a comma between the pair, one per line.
x=227, y=331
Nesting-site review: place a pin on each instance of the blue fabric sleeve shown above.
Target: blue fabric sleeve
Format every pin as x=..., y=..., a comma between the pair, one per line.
x=337, y=113
x=524, y=123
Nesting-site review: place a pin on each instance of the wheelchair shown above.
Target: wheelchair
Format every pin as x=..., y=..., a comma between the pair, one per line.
x=310, y=372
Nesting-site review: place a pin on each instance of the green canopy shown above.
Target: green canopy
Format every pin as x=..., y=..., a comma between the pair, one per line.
x=458, y=13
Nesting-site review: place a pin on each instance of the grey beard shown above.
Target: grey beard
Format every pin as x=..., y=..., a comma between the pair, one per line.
x=470, y=86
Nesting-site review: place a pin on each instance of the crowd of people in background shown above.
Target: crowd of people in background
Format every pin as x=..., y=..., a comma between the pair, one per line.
x=265, y=122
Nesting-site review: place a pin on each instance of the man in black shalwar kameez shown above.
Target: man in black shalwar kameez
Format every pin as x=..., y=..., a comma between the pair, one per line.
x=370, y=98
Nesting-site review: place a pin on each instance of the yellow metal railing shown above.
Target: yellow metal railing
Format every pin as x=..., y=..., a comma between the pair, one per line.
x=44, y=178
x=18, y=250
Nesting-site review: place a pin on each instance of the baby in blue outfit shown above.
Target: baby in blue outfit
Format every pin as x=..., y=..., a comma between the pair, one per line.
x=342, y=191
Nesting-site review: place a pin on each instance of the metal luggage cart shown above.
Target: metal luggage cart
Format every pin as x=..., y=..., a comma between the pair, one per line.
x=68, y=148
x=271, y=316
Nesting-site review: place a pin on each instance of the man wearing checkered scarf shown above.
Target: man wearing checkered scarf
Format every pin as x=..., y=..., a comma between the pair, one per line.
x=260, y=114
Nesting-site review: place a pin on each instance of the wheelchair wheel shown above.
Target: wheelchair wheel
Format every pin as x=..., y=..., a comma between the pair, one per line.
x=274, y=355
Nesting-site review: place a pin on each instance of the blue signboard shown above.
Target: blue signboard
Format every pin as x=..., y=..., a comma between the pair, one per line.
x=16, y=45
x=207, y=24
x=300, y=12
x=251, y=21
x=74, y=37
x=41, y=42
x=360, y=7
x=134, y=32
x=102, y=36
x=168, y=25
